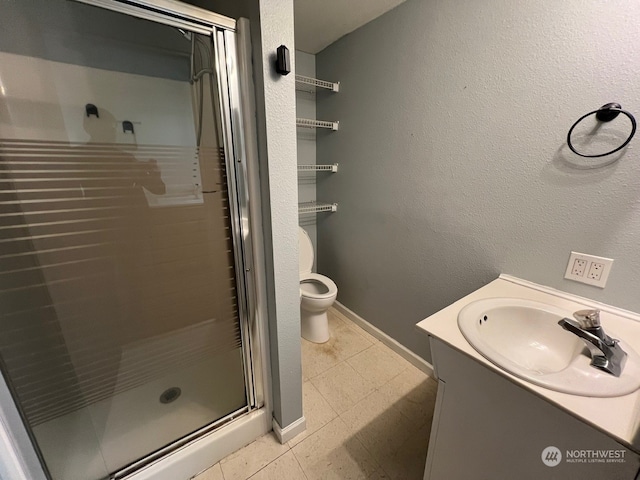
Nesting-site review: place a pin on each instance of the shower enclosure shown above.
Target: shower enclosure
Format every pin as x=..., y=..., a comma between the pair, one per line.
x=126, y=288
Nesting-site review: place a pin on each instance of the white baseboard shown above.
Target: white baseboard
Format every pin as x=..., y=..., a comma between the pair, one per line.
x=290, y=431
x=393, y=344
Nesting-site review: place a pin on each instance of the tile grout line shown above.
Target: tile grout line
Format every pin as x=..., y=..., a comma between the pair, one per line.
x=346, y=360
x=371, y=454
x=341, y=361
x=298, y=461
x=313, y=433
x=375, y=390
x=306, y=438
x=276, y=458
x=357, y=439
x=349, y=325
x=207, y=469
x=356, y=372
x=355, y=328
x=372, y=342
x=359, y=375
x=401, y=360
x=393, y=405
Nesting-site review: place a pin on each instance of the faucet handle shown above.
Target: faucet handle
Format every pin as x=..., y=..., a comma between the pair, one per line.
x=588, y=318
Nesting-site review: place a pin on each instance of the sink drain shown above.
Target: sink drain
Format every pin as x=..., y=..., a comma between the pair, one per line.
x=170, y=395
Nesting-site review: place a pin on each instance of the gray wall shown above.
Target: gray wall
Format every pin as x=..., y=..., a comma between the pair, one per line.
x=453, y=163
x=272, y=26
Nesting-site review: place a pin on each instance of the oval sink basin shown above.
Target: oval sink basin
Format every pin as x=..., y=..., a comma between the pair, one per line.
x=523, y=337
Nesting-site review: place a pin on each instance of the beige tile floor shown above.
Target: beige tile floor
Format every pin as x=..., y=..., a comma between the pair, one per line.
x=368, y=416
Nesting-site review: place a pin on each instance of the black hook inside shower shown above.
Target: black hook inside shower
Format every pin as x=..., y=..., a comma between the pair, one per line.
x=605, y=113
x=91, y=109
x=127, y=126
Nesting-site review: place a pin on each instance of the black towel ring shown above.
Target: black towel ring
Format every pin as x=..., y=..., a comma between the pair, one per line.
x=605, y=113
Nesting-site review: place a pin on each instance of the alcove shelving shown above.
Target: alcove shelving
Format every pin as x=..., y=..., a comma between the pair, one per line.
x=312, y=85
x=306, y=208
x=312, y=123
x=318, y=168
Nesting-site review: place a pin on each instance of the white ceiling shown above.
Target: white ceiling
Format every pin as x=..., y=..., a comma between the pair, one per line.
x=319, y=23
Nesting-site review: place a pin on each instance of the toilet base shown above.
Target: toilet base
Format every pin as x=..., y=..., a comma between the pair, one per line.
x=314, y=326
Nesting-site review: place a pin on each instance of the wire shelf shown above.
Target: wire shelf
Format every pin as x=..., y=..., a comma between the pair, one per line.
x=316, y=207
x=318, y=168
x=316, y=83
x=309, y=123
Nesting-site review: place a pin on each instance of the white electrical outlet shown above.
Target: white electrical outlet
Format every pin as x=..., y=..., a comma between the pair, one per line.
x=588, y=269
x=595, y=271
x=579, y=266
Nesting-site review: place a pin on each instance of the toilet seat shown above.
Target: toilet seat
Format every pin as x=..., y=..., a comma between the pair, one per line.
x=317, y=294
x=305, y=259
x=330, y=288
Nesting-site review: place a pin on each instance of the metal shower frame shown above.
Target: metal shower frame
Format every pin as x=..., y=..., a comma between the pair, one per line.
x=222, y=31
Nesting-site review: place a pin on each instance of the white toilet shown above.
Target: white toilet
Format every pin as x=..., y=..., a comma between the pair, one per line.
x=317, y=294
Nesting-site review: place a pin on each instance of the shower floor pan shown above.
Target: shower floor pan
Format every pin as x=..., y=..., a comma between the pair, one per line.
x=137, y=422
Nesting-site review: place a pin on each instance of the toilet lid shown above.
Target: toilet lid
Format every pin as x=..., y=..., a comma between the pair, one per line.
x=306, y=251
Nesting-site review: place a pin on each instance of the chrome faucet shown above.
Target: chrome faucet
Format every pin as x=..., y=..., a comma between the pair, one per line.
x=606, y=353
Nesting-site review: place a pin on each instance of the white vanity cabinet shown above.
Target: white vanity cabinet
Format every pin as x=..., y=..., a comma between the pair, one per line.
x=489, y=424
x=487, y=427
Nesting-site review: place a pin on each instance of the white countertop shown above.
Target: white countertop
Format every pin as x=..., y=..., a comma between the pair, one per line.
x=618, y=417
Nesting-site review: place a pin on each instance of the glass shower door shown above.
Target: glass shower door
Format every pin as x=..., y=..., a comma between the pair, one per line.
x=120, y=327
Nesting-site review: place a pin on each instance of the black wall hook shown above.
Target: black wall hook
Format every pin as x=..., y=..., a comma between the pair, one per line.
x=127, y=126
x=91, y=109
x=608, y=112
